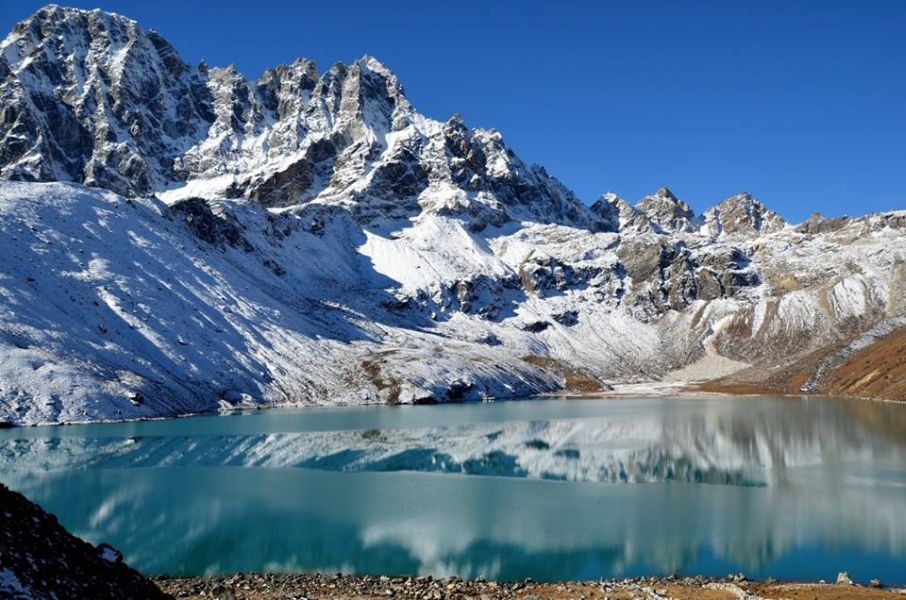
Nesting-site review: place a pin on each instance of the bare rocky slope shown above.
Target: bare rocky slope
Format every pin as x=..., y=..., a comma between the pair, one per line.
x=40, y=559
x=178, y=238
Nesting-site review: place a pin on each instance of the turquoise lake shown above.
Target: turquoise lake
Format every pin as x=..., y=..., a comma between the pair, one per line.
x=791, y=488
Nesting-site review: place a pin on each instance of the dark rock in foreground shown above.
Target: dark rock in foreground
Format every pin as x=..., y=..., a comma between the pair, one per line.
x=40, y=559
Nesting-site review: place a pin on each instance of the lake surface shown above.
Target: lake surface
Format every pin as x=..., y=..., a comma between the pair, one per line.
x=548, y=489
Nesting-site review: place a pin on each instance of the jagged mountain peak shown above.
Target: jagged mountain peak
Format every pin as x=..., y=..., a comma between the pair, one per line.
x=89, y=96
x=115, y=106
x=741, y=214
x=665, y=192
x=666, y=212
x=607, y=209
x=56, y=12
x=54, y=29
x=374, y=65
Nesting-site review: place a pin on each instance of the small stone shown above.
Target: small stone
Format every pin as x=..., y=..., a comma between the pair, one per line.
x=875, y=583
x=221, y=592
x=843, y=578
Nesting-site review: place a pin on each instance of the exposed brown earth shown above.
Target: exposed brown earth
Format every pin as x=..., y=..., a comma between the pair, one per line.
x=274, y=586
x=372, y=369
x=575, y=379
x=877, y=371
x=727, y=386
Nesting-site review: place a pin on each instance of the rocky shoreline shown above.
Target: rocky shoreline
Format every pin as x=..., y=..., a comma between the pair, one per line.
x=267, y=586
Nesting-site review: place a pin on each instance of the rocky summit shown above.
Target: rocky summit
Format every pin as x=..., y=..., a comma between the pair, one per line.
x=178, y=238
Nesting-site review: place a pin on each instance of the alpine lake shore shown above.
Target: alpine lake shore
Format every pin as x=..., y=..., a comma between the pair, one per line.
x=270, y=586
x=182, y=246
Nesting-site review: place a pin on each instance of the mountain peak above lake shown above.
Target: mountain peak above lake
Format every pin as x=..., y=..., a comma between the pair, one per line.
x=180, y=238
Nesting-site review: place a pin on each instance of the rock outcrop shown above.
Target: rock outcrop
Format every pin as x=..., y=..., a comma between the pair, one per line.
x=742, y=214
x=40, y=559
x=666, y=212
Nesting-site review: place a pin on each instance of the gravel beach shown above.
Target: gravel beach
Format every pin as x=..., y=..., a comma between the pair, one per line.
x=298, y=586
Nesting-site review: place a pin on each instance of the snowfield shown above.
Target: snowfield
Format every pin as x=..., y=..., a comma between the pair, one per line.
x=112, y=309
x=115, y=308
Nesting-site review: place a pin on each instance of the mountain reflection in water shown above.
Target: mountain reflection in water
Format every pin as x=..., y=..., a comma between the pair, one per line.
x=549, y=489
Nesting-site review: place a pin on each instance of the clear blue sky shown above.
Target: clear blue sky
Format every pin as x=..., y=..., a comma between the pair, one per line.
x=802, y=103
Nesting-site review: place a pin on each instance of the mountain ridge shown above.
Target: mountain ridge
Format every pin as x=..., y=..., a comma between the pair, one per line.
x=300, y=77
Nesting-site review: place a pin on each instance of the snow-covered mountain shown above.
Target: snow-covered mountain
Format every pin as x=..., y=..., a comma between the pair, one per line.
x=178, y=238
x=92, y=98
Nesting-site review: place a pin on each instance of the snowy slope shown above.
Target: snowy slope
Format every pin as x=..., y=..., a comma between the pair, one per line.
x=312, y=238
x=118, y=308
x=107, y=299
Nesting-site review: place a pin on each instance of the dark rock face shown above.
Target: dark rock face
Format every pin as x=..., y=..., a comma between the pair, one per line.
x=567, y=318
x=217, y=229
x=115, y=115
x=536, y=326
x=670, y=276
x=286, y=187
x=40, y=559
x=666, y=212
x=816, y=224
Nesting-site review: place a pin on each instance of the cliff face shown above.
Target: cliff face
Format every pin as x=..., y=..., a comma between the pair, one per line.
x=179, y=238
